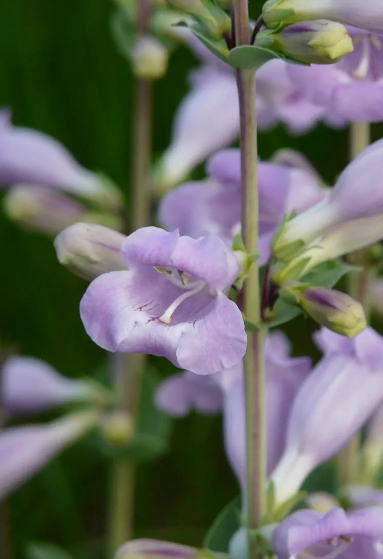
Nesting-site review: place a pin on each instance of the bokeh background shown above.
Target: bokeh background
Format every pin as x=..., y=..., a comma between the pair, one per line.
x=60, y=73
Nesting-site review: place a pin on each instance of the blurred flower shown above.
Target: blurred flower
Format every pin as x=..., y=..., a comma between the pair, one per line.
x=49, y=211
x=307, y=533
x=320, y=42
x=150, y=58
x=31, y=157
x=89, y=250
x=367, y=15
x=213, y=206
x=333, y=309
x=179, y=393
x=352, y=89
x=333, y=403
x=154, y=549
x=25, y=450
x=171, y=302
x=30, y=385
x=357, y=194
x=199, y=129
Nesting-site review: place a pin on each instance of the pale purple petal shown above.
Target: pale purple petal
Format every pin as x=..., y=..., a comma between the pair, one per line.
x=364, y=495
x=321, y=535
x=206, y=258
x=25, y=450
x=358, y=102
x=201, y=208
x=199, y=129
x=30, y=385
x=225, y=167
x=29, y=156
x=180, y=393
x=120, y=311
x=155, y=548
x=316, y=83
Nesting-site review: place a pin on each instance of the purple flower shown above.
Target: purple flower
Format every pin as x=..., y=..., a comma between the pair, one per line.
x=214, y=206
x=352, y=89
x=25, y=450
x=333, y=403
x=357, y=194
x=156, y=549
x=29, y=385
x=199, y=129
x=171, y=302
x=180, y=393
x=367, y=15
x=307, y=534
x=31, y=157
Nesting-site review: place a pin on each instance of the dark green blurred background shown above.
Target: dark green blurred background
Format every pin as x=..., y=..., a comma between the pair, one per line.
x=60, y=73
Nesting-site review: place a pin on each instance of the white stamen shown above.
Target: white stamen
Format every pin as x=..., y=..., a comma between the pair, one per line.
x=166, y=318
x=360, y=73
x=376, y=42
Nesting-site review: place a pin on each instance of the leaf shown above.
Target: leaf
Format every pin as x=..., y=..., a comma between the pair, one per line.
x=283, y=312
x=42, y=550
x=224, y=526
x=329, y=273
x=252, y=57
x=216, y=46
x=122, y=31
x=250, y=326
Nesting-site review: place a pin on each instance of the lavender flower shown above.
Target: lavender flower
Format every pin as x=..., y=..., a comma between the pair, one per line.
x=307, y=534
x=29, y=385
x=352, y=89
x=31, y=157
x=171, y=302
x=138, y=549
x=333, y=403
x=357, y=194
x=25, y=450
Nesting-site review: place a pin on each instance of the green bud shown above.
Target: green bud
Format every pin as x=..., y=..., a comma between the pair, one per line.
x=150, y=58
x=317, y=42
x=284, y=12
x=207, y=12
x=333, y=309
x=117, y=428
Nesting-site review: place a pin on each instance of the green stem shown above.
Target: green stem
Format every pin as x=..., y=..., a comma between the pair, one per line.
x=359, y=287
x=254, y=369
x=128, y=368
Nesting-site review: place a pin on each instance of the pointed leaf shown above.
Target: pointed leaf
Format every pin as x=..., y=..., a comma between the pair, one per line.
x=224, y=526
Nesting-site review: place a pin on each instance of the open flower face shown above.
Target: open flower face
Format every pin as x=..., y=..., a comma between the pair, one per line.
x=307, y=534
x=171, y=302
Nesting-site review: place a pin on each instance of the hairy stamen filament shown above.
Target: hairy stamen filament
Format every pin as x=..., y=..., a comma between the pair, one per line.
x=166, y=317
x=360, y=73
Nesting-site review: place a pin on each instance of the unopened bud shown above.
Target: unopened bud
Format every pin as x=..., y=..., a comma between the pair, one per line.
x=317, y=42
x=41, y=209
x=90, y=250
x=209, y=12
x=322, y=502
x=333, y=309
x=117, y=428
x=155, y=549
x=150, y=58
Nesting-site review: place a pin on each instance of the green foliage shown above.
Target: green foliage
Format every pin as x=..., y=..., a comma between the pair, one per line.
x=46, y=551
x=252, y=57
x=224, y=526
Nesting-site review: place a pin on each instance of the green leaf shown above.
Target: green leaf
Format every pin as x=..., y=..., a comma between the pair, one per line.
x=216, y=46
x=123, y=32
x=329, y=273
x=43, y=550
x=249, y=57
x=250, y=326
x=283, y=312
x=224, y=526
x=284, y=509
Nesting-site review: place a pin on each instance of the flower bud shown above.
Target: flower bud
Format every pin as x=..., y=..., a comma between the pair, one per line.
x=117, y=428
x=41, y=209
x=210, y=13
x=150, y=58
x=333, y=309
x=318, y=42
x=90, y=250
x=155, y=549
x=366, y=15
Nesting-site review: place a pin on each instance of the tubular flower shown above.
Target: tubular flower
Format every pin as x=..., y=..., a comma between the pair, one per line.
x=351, y=89
x=307, y=534
x=171, y=302
x=333, y=403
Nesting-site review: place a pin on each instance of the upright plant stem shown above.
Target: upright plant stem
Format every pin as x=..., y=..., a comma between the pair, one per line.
x=128, y=368
x=359, y=287
x=254, y=369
